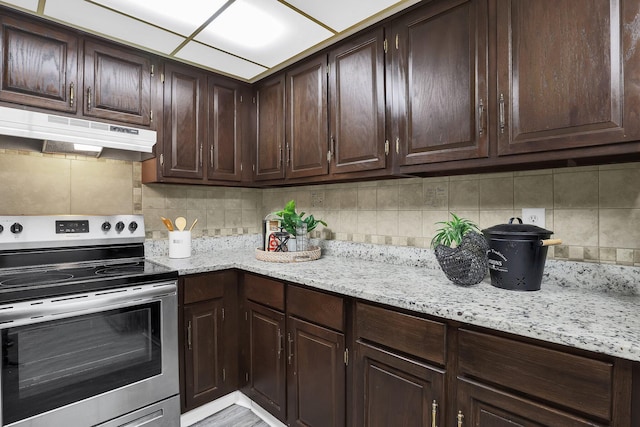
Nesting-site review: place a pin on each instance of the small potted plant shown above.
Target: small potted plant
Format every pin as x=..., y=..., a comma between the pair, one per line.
x=293, y=222
x=461, y=251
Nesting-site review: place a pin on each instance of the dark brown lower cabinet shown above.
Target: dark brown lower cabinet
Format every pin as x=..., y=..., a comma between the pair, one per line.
x=394, y=390
x=208, y=321
x=315, y=375
x=267, y=360
x=483, y=406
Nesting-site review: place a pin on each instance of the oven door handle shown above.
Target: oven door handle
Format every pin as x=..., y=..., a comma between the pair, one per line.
x=61, y=307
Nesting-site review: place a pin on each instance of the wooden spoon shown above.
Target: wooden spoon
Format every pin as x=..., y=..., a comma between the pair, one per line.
x=181, y=223
x=167, y=223
x=192, y=225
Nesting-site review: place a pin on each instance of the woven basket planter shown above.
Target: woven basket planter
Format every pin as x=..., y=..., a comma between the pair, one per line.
x=300, y=256
x=466, y=264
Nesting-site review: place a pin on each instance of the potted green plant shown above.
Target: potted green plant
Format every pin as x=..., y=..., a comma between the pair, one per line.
x=461, y=251
x=291, y=222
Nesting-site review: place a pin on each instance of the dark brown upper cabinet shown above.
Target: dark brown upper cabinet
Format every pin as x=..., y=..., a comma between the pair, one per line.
x=39, y=65
x=117, y=85
x=224, y=135
x=357, y=104
x=439, y=79
x=269, y=141
x=567, y=75
x=184, y=121
x=307, y=141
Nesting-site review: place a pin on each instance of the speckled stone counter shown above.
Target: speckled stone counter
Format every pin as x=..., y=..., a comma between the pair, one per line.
x=588, y=306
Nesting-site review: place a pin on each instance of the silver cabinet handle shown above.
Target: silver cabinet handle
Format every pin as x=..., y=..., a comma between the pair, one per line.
x=280, y=343
x=189, y=335
x=502, y=120
x=211, y=155
x=72, y=94
x=290, y=357
x=481, y=117
x=88, y=98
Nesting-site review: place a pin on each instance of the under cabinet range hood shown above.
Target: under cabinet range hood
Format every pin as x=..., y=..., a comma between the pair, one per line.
x=73, y=135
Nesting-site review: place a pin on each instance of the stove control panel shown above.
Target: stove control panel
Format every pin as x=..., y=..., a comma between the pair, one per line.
x=23, y=232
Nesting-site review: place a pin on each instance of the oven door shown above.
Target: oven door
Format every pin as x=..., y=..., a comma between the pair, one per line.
x=85, y=359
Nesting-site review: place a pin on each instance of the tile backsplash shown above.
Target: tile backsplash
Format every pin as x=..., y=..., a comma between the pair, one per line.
x=594, y=210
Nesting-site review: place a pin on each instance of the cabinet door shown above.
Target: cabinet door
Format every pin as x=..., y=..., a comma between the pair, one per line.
x=307, y=140
x=392, y=390
x=224, y=130
x=439, y=69
x=269, y=143
x=482, y=406
x=565, y=74
x=184, y=121
x=204, y=375
x=117, y=84
x=267, y=359
x=357, y=104
x=316, y=375
x=39, y=65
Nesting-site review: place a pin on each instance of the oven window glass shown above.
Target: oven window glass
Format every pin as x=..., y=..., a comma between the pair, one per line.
x=49, y=365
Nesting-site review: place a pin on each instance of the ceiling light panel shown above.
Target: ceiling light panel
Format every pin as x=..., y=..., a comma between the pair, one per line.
x=216, y=60
x=31, y=5
x=342, y=14
x=182, y=17
x=98, y=20
x=263, y=31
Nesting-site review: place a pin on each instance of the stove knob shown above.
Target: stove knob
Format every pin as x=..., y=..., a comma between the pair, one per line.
x=133, y=226
x=16, y=228
x=1, y=228
x=106, y=226
x=119, y=226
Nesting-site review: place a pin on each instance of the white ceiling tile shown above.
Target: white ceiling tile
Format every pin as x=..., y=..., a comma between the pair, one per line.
x=31, y=5
x=342, y=14
x=98, y=20
x=216, y=60
x=287, y=32
x=182, y=17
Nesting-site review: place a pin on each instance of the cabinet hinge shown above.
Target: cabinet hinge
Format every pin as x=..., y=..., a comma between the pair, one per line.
x=397, y=41
x=386, y=147
x=328, y=156
x=246, y=316
x=397, y=145
x=253, y=99
x=240, y=166
x=384, y=44
x=223, y=314
x=162, y=77
x=240, y=98
x=151, y=116
x=224, y=375
x=346, y=356
x=253, y=167
x=328, y=68
x=161, y=159
x=246, y=376
x=152, y=70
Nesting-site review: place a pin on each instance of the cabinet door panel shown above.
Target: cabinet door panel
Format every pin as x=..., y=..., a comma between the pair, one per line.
x=269, y=142
x=483, y=406
x=39, y=66
x=316, y=375
x=184, y=121
x=117, y=85
x=440, y=74
x=357, y=100
x=267, y=360
x=560, y=78
x=307, y=127
x=394, y=390
x=224, y=130
x=203, y=367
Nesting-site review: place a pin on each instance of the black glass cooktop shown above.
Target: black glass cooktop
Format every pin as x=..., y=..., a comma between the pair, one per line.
x=44, y=281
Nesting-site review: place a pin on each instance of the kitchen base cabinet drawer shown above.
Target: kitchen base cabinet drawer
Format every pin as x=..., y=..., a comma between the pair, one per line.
x=203, y=287
x=264, y=291
x=483, y=406
x=422, y=338
x=574, y=382
x=317, y=307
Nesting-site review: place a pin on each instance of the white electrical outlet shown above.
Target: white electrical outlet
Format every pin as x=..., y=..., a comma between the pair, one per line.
x=533, y=216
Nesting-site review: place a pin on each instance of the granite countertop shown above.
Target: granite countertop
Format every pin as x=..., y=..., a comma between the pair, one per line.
x=588, y=306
